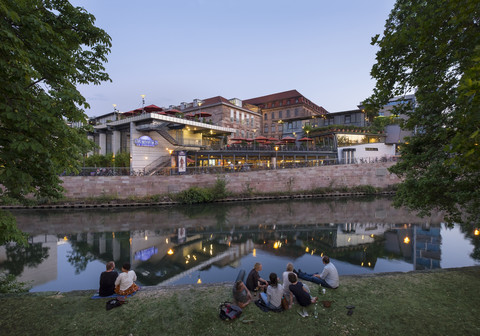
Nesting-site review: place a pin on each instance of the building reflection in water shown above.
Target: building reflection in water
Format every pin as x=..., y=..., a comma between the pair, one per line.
x=167, y=253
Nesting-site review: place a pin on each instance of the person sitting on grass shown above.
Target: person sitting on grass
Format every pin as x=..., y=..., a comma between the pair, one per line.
x=254, y=282
x=241, y=295
x=301, y=293
x=107, y=280
x=286, y=284
x=328, y=278
x=125, y=285
x=273, y=297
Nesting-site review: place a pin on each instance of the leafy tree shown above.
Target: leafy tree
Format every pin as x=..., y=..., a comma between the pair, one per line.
x=48, y=48
x=432, y=47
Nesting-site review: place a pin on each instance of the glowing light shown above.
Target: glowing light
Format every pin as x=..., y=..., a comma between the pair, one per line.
x=254, y=252
x=307, y=249
x=204, y=249
x=170, y=252
x=130, y=240
x=362, y=264
x=406, y=240
x=211, y=252
x=363, y=237
x=194, y=257
x=349, y=239
x=186, y=261
x=275, y=245
x=146, y=237
x=65, y=238
x=369, y=264
x=372, y=235
x=166, y=241
x=113, y=235
x=321, y=254
x=476, y=232
x=199, y=281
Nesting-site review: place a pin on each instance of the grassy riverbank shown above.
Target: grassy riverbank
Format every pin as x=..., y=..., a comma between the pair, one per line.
x=441, y=302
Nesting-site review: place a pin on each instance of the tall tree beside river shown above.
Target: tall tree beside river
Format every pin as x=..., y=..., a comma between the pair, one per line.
x=432, y=48
x=48, y=48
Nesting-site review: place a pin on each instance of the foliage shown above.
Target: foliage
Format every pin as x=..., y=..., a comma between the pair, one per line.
x=98, y=160
x=9, y=284
x=219, y=190
x=48, y=48
x=9, y=230
x=433, y=47
x=194, y=195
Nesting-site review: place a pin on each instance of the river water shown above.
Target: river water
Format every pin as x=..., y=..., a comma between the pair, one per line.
x=210, y=243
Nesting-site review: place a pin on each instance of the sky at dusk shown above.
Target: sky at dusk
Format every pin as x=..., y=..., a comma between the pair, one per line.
x=175, y=51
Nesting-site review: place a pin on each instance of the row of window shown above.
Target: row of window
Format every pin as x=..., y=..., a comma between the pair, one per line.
x=241, y=118
x=280, y=103
x=296, y=113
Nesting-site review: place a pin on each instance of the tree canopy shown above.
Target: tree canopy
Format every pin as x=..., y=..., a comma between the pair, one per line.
x=48, y=48
x=432, y=48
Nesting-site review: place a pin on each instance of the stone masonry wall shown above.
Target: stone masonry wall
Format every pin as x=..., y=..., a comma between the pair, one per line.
x=281, y=180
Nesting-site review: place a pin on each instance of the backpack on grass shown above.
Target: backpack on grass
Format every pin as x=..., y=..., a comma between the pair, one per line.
x=229, y=311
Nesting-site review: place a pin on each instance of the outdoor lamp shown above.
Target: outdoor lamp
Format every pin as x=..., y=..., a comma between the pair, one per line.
x=476, y=232
x=406, y=240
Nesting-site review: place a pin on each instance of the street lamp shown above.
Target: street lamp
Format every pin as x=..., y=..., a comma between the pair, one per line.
x=143, y=103
x=276, y=151
x=115, y=108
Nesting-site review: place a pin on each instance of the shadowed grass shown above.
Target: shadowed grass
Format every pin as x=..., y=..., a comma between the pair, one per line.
x=443, y=302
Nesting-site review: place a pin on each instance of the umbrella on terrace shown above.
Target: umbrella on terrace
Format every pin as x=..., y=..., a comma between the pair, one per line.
x=289, y=139
x=238, y=139
x=305, y=139
x=260, y=138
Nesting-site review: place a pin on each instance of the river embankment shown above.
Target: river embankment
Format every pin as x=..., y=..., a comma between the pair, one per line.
x=434, y=302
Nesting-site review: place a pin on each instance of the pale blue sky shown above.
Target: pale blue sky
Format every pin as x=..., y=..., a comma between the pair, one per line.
x=178, y=50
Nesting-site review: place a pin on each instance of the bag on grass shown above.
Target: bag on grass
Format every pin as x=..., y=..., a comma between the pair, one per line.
x=229, y=311
x=117, y=302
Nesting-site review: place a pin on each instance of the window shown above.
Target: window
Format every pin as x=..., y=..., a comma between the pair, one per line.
x=288, y=113
x=288, y=102
x=280, y=104
x=232, y=115
x=296, y=112
x=265, y=129
x=273, y=104
x=371, y=149
x=348, y=119
x=280, y=114
x=280, y=127
x=243, y=117
x=273, y=128
x=265, y=116
x=290, y=125
x=330, y=121
x=251, y=121
x=296, y=101
x=273, y=115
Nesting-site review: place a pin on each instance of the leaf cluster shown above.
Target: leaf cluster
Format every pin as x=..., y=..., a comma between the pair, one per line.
x=432, y=47
x=48, y=48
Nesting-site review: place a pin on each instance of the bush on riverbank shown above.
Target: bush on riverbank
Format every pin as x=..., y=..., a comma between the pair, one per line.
x=440, y=302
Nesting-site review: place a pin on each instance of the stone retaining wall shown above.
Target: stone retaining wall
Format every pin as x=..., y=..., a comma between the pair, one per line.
x=281, y=180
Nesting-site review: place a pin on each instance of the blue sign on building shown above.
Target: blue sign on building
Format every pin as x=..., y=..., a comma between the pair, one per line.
x=145, y=141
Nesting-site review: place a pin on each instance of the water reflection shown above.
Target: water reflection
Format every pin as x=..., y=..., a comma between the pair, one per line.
x=208, y=243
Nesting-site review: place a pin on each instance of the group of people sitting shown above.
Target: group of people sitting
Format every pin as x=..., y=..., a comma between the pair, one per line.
x=122, y=284
x=272, y=292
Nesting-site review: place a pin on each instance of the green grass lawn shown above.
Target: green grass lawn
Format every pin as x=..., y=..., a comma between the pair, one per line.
x=443, y=302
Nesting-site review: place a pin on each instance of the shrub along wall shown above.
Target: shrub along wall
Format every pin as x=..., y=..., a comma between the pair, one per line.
x=281, y=180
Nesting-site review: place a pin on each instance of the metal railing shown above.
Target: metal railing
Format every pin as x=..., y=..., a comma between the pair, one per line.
x=246, y=167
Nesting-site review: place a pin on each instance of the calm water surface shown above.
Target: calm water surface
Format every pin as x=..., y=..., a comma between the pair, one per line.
x=211, y=243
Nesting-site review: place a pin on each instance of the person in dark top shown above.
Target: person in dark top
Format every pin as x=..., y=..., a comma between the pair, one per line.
x=107, y=280
x=253, y=279
x=299, y=291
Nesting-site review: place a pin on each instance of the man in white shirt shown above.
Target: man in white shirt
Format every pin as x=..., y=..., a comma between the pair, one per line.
x=328, y=278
